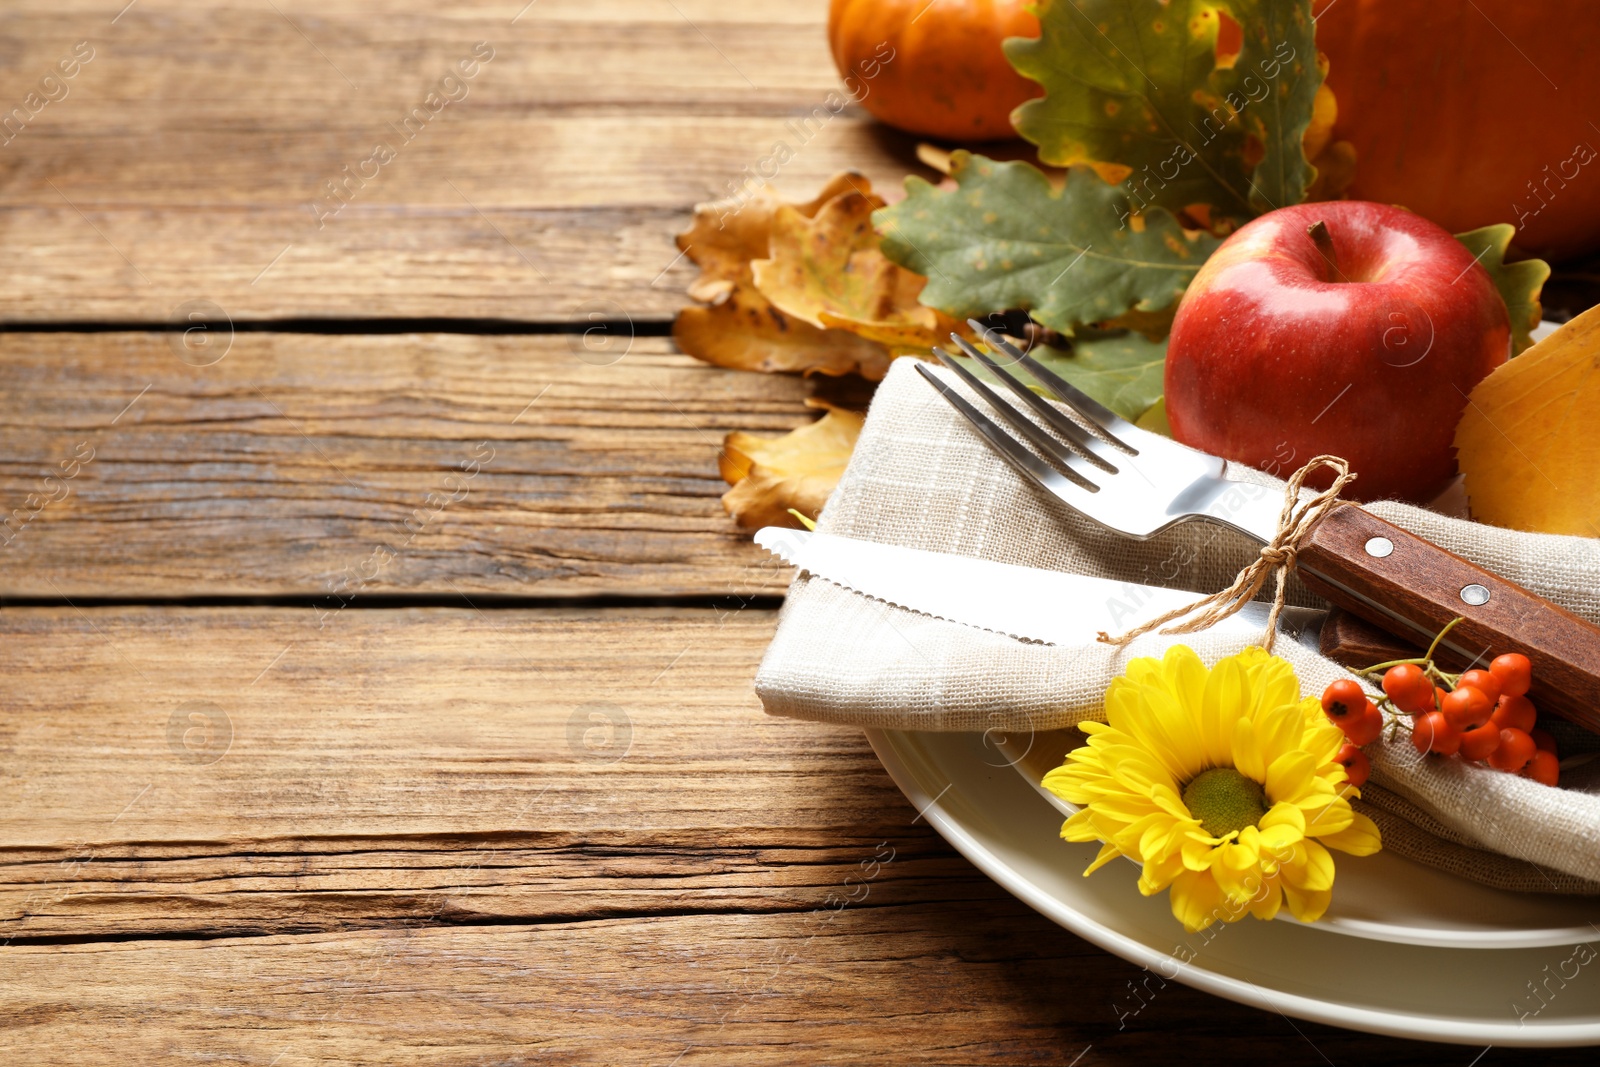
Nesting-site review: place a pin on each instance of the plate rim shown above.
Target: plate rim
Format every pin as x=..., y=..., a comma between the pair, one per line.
x=1367, y=930
x=1403, y=1024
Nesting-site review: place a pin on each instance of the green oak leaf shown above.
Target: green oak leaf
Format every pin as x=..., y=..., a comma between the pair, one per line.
x=1122, y=370
x=1133, y=88
x=1125, y=373
x=1519, y=283
x=1004, y=238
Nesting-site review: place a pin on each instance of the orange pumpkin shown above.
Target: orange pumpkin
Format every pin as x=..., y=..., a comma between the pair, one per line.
x=933, y=67
x=1473, y=112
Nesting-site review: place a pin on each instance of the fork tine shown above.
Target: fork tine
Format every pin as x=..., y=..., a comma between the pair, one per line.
x=1057, y=421
x=1026, y=463
x=1071, y=462
x=1101, y=419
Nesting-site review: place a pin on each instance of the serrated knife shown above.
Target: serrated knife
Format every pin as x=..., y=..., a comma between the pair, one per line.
x=1056, y=607
x=1026, y=602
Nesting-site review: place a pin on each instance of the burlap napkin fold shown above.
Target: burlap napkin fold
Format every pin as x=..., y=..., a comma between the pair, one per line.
x=920, y=477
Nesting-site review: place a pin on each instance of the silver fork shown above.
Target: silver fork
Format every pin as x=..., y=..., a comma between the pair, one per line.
x=1130, y=480
x=1137, y=484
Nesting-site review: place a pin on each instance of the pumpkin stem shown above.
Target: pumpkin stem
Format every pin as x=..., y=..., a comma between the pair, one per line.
x=1324, y=242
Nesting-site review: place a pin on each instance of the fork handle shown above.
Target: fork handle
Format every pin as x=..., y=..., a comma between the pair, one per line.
x=1412, y=588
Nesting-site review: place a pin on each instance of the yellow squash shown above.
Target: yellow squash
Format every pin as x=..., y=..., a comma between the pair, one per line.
x=1527, y=443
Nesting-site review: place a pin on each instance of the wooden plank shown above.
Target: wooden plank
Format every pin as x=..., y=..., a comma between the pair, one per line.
x=190, y=158
x=428, y=857
x=333, y=466
x=186, y=769
x=883, y=982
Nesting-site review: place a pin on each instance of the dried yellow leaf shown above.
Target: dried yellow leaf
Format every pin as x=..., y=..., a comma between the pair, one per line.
x=1527, y=444
x=742, y=329
x=829, y=271
x=1324, y=113
x=726, y=235
x=771, y=475
x=747, y=333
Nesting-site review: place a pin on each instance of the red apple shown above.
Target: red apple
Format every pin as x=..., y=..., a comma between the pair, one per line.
x=1358, y=338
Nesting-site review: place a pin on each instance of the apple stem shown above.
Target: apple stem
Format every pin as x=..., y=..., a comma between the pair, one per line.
x=1324, y=242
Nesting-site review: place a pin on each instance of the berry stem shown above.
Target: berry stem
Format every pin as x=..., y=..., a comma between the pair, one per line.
x=1426, y=661
x=1377, y=668
x=1451, y=625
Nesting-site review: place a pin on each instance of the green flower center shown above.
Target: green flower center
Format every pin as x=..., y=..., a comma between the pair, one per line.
x=1225, y=801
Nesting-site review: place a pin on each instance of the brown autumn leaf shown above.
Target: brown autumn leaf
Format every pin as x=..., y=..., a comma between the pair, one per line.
x=770, y=475
x=726, y=235
x=1526, y=443
x=745, y=332
x=829, y=271
x=741, y=329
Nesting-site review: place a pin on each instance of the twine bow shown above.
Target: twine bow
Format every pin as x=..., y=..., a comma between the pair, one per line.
x=1278, y=555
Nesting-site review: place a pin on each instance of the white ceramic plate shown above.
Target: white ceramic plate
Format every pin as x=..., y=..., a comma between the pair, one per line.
x=999, y=822
x=1383, y=897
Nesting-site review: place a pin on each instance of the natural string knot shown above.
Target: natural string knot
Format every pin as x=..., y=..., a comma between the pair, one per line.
x=1278, y=555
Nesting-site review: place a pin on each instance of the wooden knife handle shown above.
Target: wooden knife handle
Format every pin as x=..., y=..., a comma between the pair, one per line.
x=1412, y=588
x=1356, y=643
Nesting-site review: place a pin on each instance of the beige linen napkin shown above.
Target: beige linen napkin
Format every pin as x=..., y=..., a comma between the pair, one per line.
x=921, y=478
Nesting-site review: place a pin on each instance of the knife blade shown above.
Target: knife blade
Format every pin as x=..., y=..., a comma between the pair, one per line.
x=1054, y=607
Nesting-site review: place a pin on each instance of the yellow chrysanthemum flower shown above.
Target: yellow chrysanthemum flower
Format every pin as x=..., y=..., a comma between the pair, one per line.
x=1221, y=782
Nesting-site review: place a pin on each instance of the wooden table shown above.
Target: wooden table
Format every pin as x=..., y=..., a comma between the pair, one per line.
x=377, y=686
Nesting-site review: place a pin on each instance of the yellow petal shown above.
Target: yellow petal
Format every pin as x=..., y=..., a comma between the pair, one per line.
x=1328, y=816
x=1360, y=838
x=1278, y=731
x=1171, y=802
x=1106, y=855
x=1196, y=851
x=1247, y=750
x=1186, y=677
x=1158, y=873
x=1290, y=775
x=1270, y=681
x=1306, y=906
x=1238, y=874
x=1197, y=901
x=1161, y=838
x=1080, y=827
x=1322, y=739
x=1131, y=767
x=1278, y=840
x=1220, y=708
x=1244, y=851
x=1156, y=726
x=1312, y=869
x=1266, y=903
x=1132, y=806
x=1284, y=814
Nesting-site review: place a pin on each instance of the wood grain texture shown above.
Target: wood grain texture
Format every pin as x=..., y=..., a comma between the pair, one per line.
x=1354, y=642
x=981, y=981
x=404, y=853
x=184, y=162
x=333, y=466
x=1419, y=588
x=221, y=764
x=468, y=834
